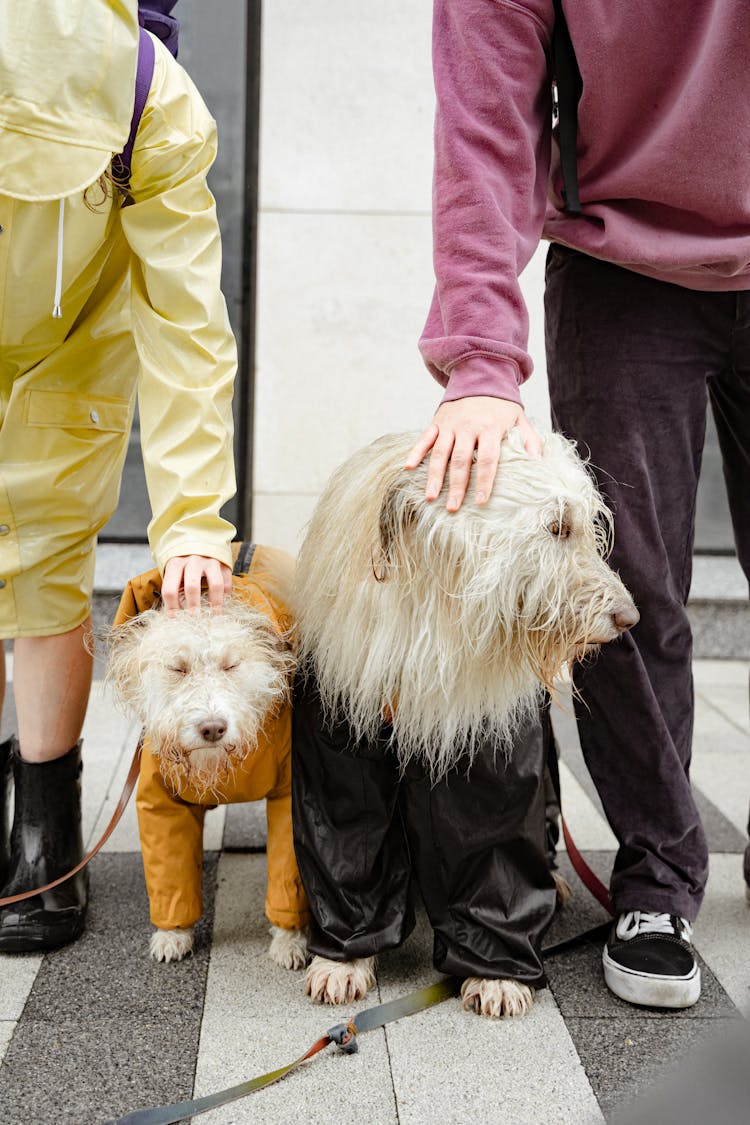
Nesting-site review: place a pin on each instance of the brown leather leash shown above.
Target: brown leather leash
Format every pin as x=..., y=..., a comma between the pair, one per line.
x=127, y=790
x=591, y=882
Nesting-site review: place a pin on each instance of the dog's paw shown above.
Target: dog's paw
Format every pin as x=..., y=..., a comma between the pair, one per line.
x=339, y=982
x=171, y=945
x=288, y=948
x=496, y=998
x=563, y=889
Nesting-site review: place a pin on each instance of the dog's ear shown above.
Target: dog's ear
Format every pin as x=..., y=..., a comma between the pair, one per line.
x=398, y=517
x=123, y=664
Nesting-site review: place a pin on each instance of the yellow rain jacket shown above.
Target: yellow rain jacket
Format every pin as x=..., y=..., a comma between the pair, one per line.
x=139, y=308
x=171, y=826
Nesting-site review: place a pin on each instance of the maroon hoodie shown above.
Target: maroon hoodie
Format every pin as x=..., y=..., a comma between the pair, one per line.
x=663, y=162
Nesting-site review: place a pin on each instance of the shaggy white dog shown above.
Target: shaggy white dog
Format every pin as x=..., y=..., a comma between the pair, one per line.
x=203, y=686
x=450, y=625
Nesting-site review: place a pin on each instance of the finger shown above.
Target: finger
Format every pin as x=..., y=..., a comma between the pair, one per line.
x=422, y=447
x=192, y=582
x=215, y=583
x=531, y=439
x=170, y=587
x=226, y=573
x=488, y=457
x=460, y=471
x=441, y=454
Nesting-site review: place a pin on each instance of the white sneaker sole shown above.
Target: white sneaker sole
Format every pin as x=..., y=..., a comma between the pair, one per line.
x=650, y=990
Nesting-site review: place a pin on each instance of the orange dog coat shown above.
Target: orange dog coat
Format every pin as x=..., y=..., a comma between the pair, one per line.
x=171, y=824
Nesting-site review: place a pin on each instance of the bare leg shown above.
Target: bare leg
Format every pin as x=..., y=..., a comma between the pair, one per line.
x=51, y=682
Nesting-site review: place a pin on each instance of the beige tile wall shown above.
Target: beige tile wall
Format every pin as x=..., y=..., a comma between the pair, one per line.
x=345, y=273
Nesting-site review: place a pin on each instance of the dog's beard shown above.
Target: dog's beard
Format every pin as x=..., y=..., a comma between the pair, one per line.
x=205, y=771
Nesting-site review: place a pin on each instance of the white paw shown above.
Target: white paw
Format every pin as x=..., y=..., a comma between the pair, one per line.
x=339, y=982
x=288, y=948
x=564, y=890
x=496, y=998
x=171, y=945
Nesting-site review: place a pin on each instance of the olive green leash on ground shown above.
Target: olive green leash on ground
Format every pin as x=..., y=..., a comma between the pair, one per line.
x=343, y=1034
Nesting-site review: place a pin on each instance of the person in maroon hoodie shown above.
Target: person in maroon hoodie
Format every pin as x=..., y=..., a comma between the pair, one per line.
x=647, y=320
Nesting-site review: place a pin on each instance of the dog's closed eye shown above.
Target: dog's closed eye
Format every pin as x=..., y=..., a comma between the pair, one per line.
x=180, y=669
x=230, y=667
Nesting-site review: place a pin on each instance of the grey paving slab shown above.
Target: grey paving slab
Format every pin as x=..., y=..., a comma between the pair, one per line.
x=724, y=780
x=453, y=1066
x=589, y=828
x=717, y=578
x=722, y=834
x=728, y=673
x=624, y=1056
x=17, y=976
x=712, y=1084
x=720, y=631
x=245, y=827
x=721, y=778
x=722, y=933
x=7, y=1027
x=105, y=1029
x=257, y=1018
x=583, y=911
x=714, y=730
x=622, y=1047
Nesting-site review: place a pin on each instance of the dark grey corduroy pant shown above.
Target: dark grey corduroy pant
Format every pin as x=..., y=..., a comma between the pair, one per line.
x=632, y=366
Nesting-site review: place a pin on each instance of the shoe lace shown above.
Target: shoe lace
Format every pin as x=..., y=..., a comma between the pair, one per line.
x=644, y=922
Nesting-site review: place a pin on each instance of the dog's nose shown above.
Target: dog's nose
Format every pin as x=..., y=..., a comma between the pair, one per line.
x=213, y=730
x=625, y=616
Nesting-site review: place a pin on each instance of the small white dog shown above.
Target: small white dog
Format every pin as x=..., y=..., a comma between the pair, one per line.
x=212, y=693
x=449, y=625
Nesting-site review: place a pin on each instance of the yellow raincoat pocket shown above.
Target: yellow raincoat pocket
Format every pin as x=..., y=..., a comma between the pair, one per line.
x=61, y=410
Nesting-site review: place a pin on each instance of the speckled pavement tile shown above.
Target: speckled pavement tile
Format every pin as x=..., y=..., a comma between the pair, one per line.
x=453, y=1066
x=105, y=1029
x=257, y=1018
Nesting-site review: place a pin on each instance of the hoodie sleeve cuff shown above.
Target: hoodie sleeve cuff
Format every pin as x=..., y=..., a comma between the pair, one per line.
x=484, y=375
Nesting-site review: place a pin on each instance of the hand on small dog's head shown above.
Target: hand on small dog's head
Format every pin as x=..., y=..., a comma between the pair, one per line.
x=202, y=685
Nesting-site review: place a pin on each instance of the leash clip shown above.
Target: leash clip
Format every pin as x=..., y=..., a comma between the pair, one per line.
x=344, y=1035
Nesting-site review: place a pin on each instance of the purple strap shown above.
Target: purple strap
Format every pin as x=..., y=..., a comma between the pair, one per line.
x=155, y=16
x=144, y=74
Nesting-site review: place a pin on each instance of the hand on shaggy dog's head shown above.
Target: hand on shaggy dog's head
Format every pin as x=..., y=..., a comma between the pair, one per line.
x=451, y=622
x=467, y=430
x=202, y=685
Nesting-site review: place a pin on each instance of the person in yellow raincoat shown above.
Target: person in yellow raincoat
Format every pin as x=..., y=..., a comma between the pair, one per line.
x=98, y=302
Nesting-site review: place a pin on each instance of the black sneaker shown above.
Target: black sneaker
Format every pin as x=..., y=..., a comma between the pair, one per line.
x=648, y=959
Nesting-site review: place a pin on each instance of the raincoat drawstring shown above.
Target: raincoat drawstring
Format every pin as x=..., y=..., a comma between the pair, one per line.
x=57, y=310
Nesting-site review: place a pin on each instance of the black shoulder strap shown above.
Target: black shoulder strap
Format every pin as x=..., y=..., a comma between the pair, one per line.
x=569, y=86
x=244, y=558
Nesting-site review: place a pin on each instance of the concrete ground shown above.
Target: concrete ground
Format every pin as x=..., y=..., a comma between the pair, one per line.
x=95, y=1030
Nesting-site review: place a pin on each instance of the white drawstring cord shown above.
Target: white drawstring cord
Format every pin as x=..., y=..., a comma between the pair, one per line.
x=57, y=310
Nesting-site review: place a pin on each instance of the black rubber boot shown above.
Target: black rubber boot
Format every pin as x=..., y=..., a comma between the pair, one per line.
x=45, y=842
x=6, y=791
